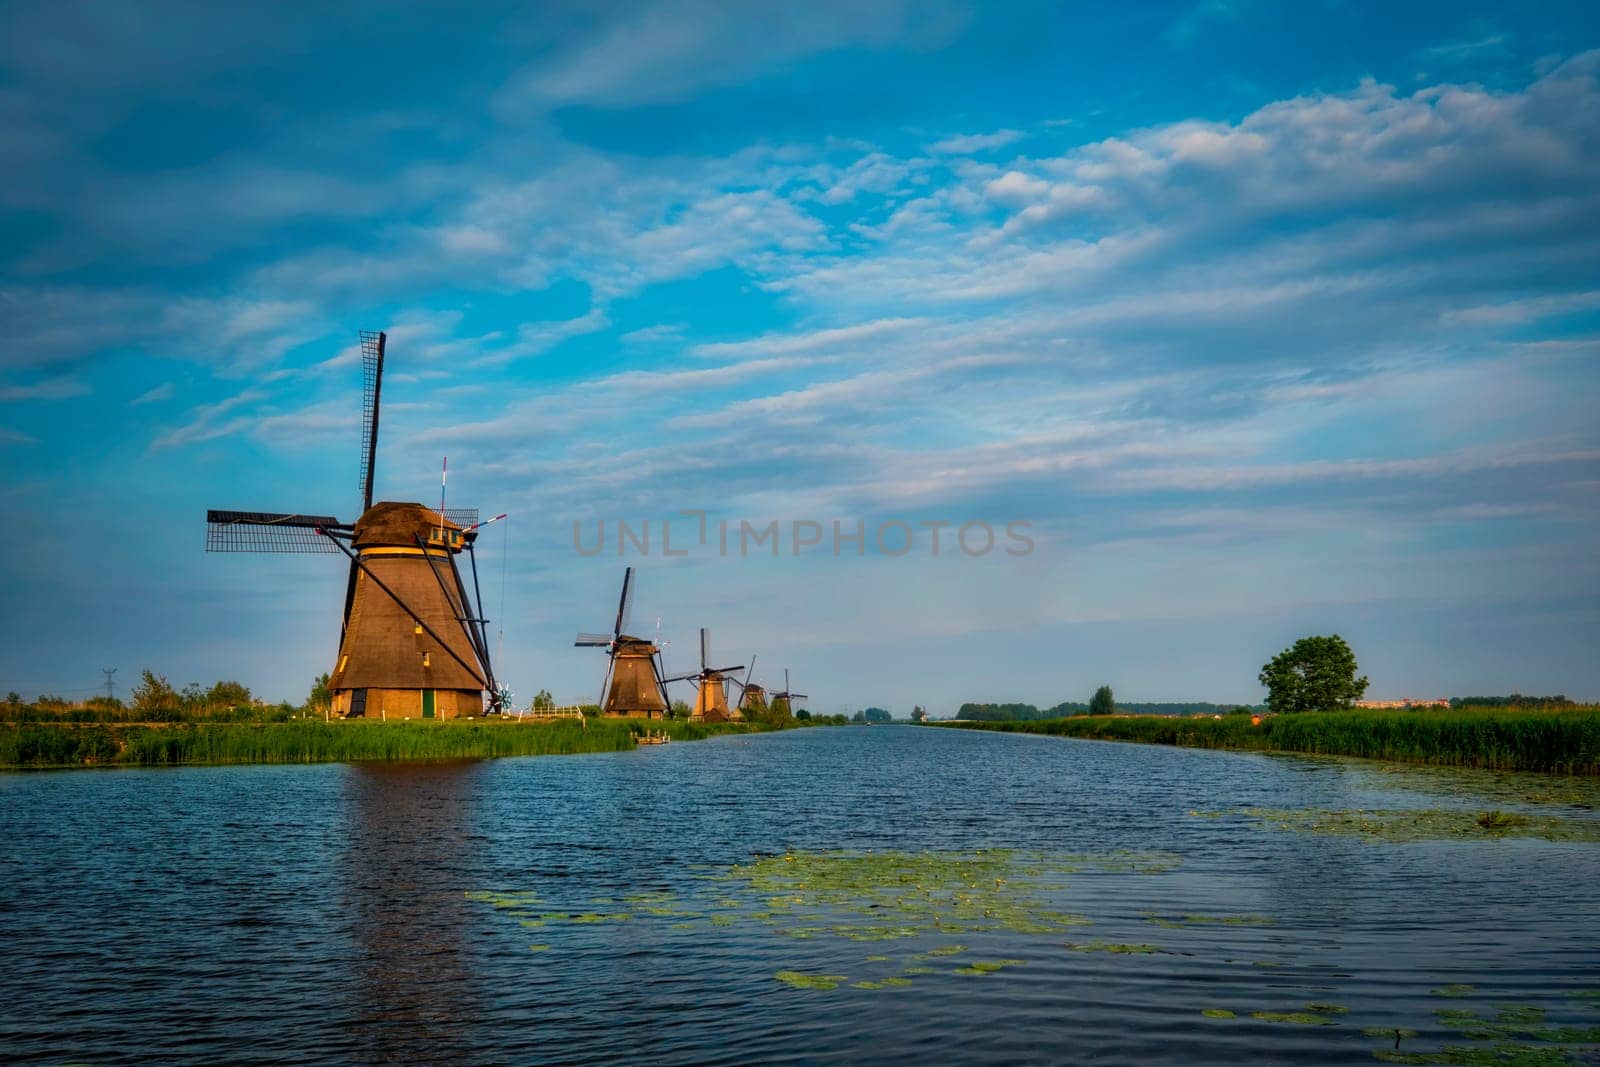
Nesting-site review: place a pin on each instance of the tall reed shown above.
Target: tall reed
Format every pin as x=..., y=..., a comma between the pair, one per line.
x=1557, y=741
x=312, y=741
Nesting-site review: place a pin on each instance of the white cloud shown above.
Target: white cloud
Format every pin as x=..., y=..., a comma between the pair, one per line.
x=44, y=389
x=164, y=391
x=970, y=144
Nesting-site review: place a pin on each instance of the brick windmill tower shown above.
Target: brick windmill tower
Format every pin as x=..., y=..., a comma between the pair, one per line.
x=413, y=643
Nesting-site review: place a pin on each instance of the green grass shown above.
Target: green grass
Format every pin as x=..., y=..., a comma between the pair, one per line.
x=310, y=741
x=1561, y=742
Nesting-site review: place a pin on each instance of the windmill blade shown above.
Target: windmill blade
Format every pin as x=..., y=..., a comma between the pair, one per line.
x=724, y=670
x=748, y=671
x=795, y=696
x=592, y=641
x=611, y=661
x=462, y=517
x=682, y=677
x=661, y=685
x=270, y=531
x=622, y=604
x=372, y=350
x=704, y=655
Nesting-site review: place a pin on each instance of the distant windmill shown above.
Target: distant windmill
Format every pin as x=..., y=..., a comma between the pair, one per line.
x=711, y=699
x=785, y=698
x=751, y=695
x=413, y=642
x=633, y=684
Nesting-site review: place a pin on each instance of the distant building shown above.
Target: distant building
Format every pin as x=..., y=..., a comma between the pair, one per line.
x=1441, y=702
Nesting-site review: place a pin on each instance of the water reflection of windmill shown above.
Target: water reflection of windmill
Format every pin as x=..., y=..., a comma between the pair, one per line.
x=711, y=699
x=413, y=641
x=633, y=684
x=783, y=702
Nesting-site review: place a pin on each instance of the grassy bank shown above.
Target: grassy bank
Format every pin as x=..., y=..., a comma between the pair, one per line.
x=1560, y=742
x=311, y=741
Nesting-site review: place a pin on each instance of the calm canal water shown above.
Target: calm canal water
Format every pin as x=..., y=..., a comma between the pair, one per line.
x=581, y=909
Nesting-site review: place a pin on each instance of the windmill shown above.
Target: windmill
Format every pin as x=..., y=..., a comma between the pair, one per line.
x=413, y=642
x=711, y=700
x=751, y=695
x=632, y=684
x=786, y=698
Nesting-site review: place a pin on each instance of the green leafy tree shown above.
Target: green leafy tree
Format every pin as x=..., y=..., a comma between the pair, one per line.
x=321, y=697
x=1316, y=674
x=803, y=715
x=1103, y=703
x=228, y=695
x=154, y=694
x=680, y=710
x=876, y=715
x=542, y=700
x=919, y=714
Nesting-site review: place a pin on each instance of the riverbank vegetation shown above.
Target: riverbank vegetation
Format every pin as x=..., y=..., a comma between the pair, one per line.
x=1559, y=739
x=37, y=744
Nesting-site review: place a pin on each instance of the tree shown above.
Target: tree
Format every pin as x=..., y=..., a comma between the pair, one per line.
x=803, y=715
x=154, y=693
x=542, y=700
x=321, y=697
x=1316, y=674
x=1102, y=703
x=229, y=695
x=876, y=715
x=919, y=714
x=680, y=710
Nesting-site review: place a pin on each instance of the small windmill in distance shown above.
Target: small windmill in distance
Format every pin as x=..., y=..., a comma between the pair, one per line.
x=711, y=698
x=751, y=696
x=633, y=684
x=786, y=698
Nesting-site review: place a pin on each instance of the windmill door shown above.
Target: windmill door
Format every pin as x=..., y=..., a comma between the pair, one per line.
x=358, y=703
x=427, y=703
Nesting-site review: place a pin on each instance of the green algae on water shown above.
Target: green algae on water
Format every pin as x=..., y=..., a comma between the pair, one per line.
x=986, y=967
x=1300, y=1018
x=797, y=980
x=1113, y=947
x=1217, y=1013
x=1455, y=989
x=1425, y=824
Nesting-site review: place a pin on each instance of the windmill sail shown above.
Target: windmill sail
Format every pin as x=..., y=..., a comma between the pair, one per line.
x=372, y=351
x=270, y=531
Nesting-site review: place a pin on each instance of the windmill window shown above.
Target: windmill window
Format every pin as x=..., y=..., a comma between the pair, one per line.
x=342, y=661
x=416, y=626
x=427, y=659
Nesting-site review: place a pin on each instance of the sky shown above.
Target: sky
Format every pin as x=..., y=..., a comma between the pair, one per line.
x=1258, y=320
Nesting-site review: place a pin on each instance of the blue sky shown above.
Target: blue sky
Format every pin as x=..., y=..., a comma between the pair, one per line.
x=1267, y=319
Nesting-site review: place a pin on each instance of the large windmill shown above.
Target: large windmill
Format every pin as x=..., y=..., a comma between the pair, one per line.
x=786, y=698
x=711, y=699
x=413, y=642
x=633, y=684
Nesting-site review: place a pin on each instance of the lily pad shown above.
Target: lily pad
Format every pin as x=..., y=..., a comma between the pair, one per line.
x=797, y=980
